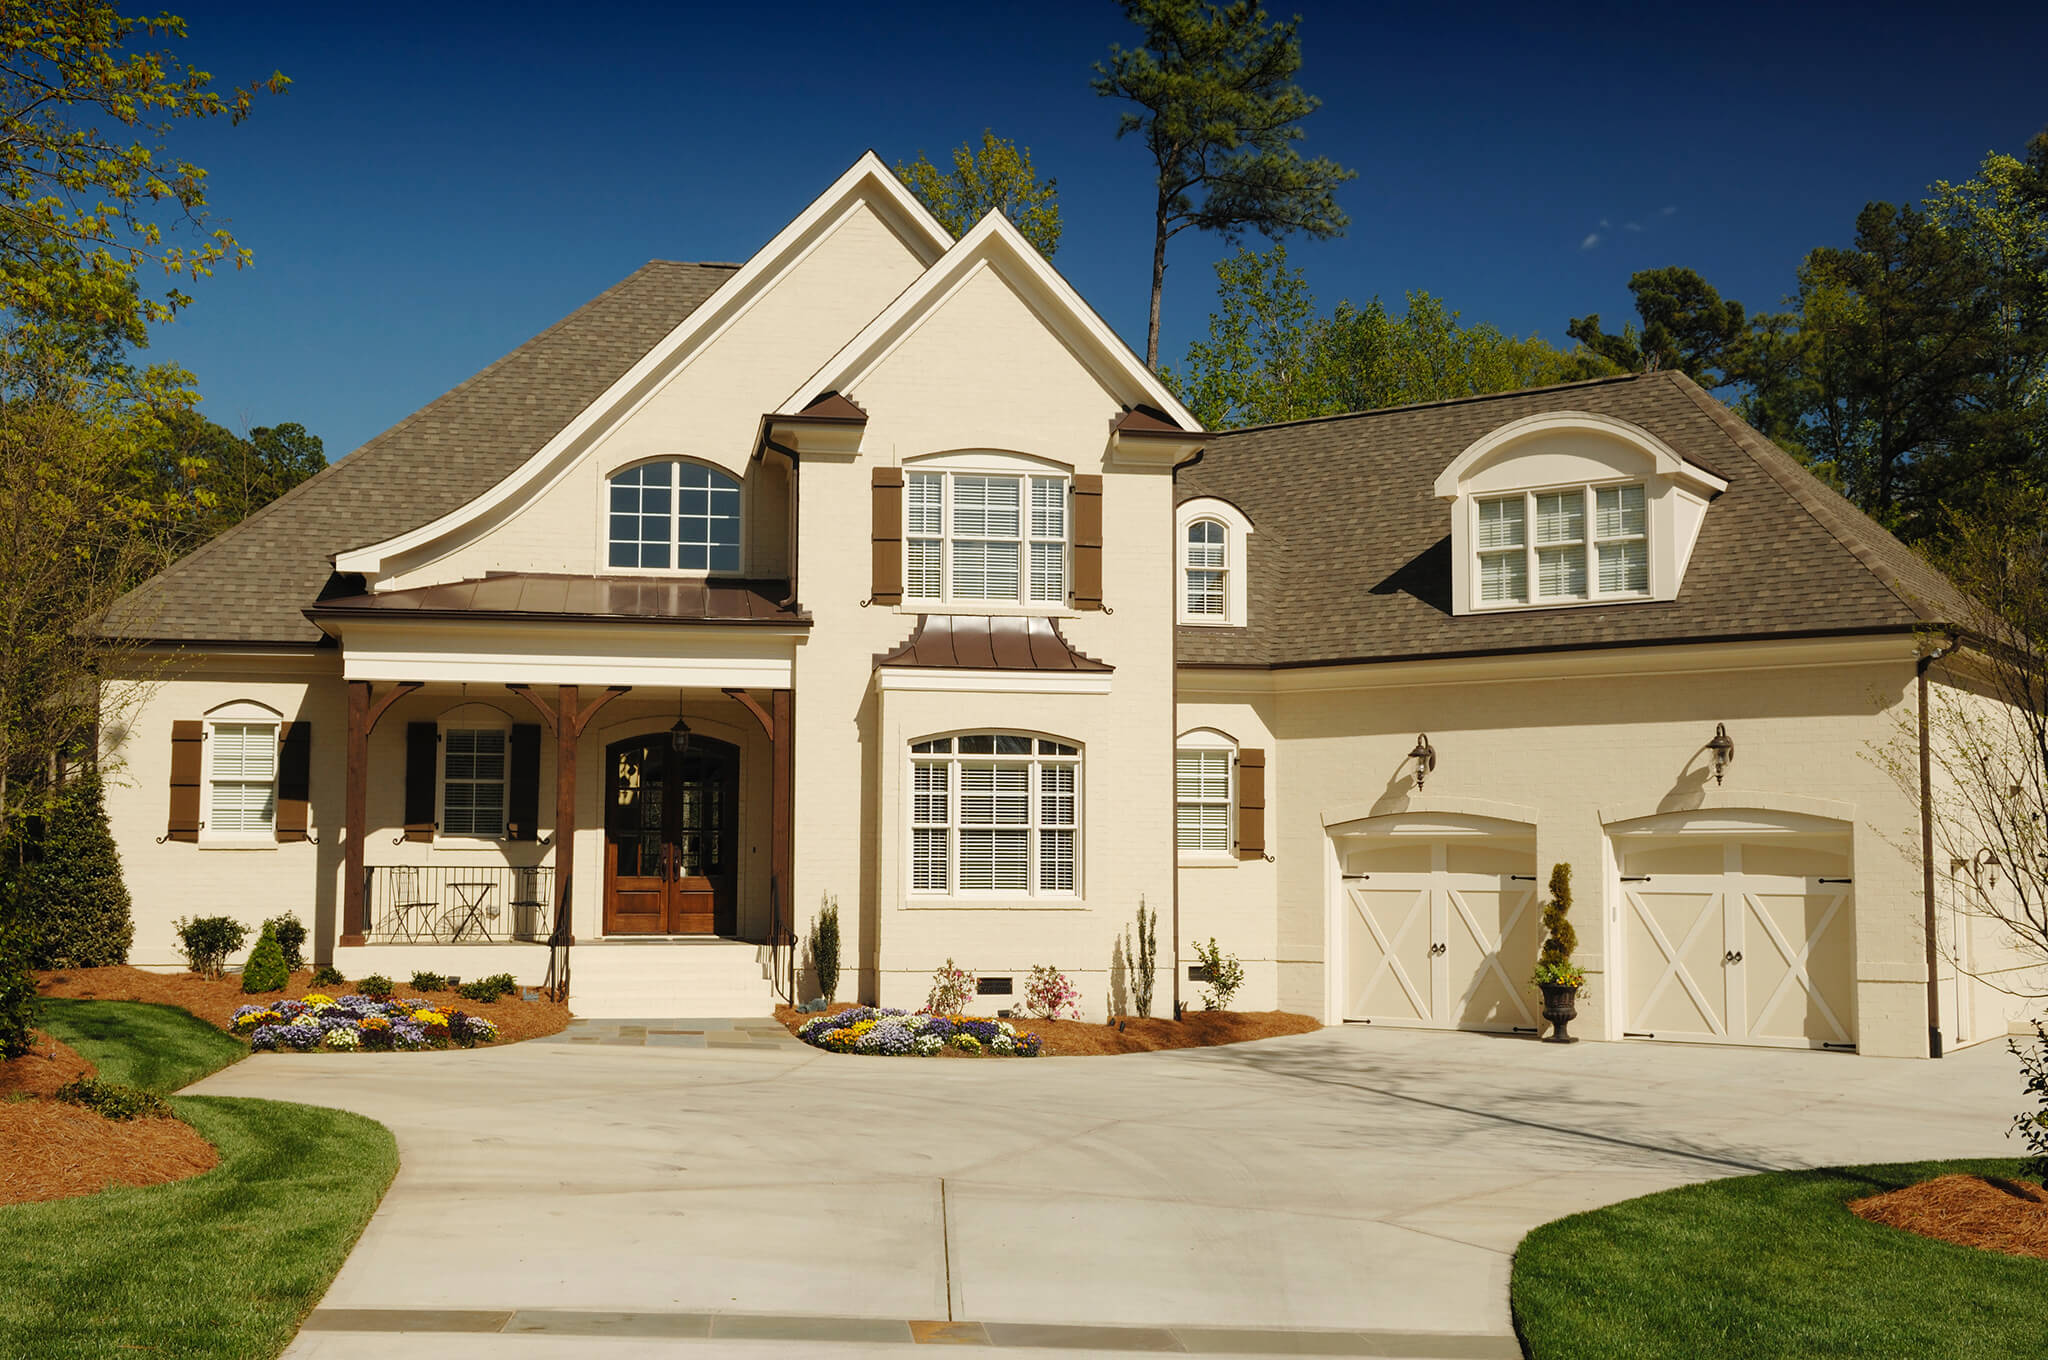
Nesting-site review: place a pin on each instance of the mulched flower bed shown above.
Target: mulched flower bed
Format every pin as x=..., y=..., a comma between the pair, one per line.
x=1970, y=1211
x=215, y=1000
x=52, y=1150
x=900, y=1034
x=1075, y=1038
x=347, y=1022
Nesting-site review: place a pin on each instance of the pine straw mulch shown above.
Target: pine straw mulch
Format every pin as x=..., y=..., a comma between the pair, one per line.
x=1078, y=1038
x=214, y=1000
x=1970, y=1211
x=51, y=1150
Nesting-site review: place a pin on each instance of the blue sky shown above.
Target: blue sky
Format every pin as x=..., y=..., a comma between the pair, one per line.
x=442, y=182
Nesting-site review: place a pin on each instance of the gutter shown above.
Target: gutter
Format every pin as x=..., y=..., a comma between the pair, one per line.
x=1920, y=669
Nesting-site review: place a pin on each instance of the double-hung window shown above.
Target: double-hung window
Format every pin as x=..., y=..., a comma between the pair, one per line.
x=995, y=814
x=1588, y=543
x=975, y=536
x=674, y=516
x=241, y=792
x=1206, y=561
x=473, y=781
x=1201, y=802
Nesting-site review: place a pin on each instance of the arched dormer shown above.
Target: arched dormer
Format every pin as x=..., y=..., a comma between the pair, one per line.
x=673, y=515
x=1210, y=544
x=1570, y=508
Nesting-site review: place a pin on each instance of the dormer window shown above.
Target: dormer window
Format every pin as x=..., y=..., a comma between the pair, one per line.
x=1210, y=569
x=674, y=516
x=1208, y=562
x=1571, y=508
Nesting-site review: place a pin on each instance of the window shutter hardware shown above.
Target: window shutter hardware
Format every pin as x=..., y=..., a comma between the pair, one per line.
x=1251, y=803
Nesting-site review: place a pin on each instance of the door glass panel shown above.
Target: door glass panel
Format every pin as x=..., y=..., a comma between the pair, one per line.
x=636, y=815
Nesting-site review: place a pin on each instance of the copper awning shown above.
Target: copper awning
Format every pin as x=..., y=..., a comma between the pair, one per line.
x=640, y=599
x=993, y=643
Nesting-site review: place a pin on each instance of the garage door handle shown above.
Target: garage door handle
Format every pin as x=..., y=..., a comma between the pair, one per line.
x=1635, y=878
x=1838, y=880
x=1439, y=949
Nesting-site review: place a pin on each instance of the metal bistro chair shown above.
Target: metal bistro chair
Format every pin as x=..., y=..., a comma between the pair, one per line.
x=411, y=908
x=528, y=910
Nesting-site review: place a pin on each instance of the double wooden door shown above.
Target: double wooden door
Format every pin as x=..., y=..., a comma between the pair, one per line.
x=671, y=837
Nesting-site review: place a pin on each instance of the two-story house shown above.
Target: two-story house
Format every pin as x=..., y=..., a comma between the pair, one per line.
x=877, y=570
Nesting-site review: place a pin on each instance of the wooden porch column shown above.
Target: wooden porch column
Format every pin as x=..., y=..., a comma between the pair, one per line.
x=566, y=718
x=355, y=815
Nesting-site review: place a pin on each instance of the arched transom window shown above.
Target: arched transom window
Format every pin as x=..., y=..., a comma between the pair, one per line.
x=675, y=516
x=995, y=814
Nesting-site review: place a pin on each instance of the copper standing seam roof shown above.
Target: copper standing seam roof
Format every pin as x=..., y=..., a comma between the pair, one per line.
x=639, y=599
x=835, y=408
x=989, y=643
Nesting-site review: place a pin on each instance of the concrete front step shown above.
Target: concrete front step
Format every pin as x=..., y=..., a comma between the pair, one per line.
x=615, y=979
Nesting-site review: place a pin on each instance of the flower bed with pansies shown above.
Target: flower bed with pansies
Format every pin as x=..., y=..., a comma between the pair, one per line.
x=357, y=1022
x=901, y=1034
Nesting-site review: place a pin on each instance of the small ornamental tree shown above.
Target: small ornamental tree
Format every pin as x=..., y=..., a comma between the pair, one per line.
x=1554, y=964
x=825, y=949
x=206, y=942
x=73, y=898
x=291, y=938
x=1223, y=973
x=1144, y=960
x=2030, y=1125
x=265, y=971
x=953, y=990
x=1049, y=995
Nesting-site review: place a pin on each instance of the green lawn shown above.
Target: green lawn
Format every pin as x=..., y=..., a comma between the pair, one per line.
x=219, y=1267
x=1761, y=1267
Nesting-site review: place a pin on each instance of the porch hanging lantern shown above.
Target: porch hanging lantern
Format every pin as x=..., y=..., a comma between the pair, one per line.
x=1723, y=749
x=679, y=736
x=1424, y=756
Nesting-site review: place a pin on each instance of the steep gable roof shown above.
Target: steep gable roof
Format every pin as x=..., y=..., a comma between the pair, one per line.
x=1352, y=559
x=250, y=584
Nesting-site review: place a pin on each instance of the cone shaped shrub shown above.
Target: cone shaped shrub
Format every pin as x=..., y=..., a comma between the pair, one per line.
x=1554, y=961
x=72, y=897
x=265, y=970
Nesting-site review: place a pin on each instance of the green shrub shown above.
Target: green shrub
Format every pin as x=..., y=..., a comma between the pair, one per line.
x=110, y=1100
x=206, y=942
x=72, y=896
x=825, y=949
x=487, y=989
x=265, y=970
x=1144, y=962
x=376, y=986
x=17, y=988
x=327, y=975
x=291, y=938
x=428, y=982
x=1223, y=973
x=2032, y=1125
x=1554, y=961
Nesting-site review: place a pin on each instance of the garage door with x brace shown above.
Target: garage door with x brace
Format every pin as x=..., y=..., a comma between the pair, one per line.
x=1738, y=934
x=1440, y=923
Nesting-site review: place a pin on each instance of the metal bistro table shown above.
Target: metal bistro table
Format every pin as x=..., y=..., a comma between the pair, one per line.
x=472, y=912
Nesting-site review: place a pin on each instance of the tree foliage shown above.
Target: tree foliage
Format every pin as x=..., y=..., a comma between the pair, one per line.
x=72, y=896
x=1217, y=105
x=996, y=177
x=1686, y=326
x=1272, y=355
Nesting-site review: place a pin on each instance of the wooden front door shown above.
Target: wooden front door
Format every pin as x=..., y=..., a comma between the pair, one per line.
x=670, y=837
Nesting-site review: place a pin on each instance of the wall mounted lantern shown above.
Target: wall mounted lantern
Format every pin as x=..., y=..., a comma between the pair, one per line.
x=1424, y=756
x=1723, y=747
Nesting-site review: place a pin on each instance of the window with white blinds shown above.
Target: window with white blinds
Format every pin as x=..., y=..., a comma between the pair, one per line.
x=1206, y=561
x=1589, y=543
x=995, y=814
x=985, y=536
x=473, y=781
x=1201, y=802
x=241, y=794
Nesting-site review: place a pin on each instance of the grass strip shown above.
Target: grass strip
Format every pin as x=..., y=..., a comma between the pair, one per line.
x=158, y=1048
x=1771, y=1267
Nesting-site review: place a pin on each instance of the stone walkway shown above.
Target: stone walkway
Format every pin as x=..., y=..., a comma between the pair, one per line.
x=713, y=1033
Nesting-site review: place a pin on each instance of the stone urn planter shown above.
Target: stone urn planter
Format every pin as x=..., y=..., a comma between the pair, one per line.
x=1560, y=1008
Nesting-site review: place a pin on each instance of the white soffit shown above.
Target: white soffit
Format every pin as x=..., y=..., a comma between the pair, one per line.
x=1667, y=460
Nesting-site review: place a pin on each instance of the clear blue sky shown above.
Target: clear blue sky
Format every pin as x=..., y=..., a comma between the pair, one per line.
x=442, y=182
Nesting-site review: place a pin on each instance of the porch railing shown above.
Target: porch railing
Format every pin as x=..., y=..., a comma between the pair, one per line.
x=458, y=904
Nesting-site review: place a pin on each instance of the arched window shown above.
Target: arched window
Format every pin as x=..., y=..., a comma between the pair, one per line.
x=1208, y=563
x=995, y=814
x=1212, y=562
x=673, y=515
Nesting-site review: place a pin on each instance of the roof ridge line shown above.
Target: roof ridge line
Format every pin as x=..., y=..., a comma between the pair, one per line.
x=1739, y=432
x=1440, y=401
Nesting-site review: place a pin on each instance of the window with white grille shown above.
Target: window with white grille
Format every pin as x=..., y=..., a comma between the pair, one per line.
x=995, y=814
x=1206, y=562
x=974, y=536
x=1588, y=543
x=1201, y=802
x=241, y=784
x=473, y=781
x=675, y=516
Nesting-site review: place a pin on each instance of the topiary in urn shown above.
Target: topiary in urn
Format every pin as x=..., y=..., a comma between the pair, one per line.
x=1556, y=975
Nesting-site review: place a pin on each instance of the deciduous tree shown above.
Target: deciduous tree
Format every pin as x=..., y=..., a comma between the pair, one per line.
x=997, y=177
x=1220, y=113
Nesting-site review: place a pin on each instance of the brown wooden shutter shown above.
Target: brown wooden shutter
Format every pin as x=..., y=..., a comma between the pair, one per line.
x=887, y=581
x=294, y=780
x=1087, y=542
x=422, y=753
x=522, y=791
x=187, y=740
x=1251, y=804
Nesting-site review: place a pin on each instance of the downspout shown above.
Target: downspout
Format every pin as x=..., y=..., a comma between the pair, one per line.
x=1173, y=705
x=1921, y=667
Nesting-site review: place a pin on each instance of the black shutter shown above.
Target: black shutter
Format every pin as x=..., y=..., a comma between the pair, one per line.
x=294, y=780
x=422, y=752
x=522, y=792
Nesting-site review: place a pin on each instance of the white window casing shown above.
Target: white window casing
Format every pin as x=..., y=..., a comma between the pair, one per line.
x=1210, y=567
x=241, y=781
x=675, y=517
x=1205, y=797
x=995, y=816
x=980, y=535
x=474, y=776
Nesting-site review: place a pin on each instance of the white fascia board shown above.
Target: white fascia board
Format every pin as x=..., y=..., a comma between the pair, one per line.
x=1667, y=461
x=995, y=242
x=932, y=680
x=868, y=175
x=657, y=656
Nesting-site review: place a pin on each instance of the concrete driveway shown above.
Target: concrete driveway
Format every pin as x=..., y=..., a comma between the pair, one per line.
x=1353, y=1192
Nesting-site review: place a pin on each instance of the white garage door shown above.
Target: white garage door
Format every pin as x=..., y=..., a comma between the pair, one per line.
x=1738, y=933
x=1440, y=924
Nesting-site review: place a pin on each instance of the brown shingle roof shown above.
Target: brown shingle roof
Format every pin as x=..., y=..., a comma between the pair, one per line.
x=1350, y=558
x=251, y=583
x=549, y=596
x=984, y=642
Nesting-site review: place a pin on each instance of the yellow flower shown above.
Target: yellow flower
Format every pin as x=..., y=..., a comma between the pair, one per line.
x=317, y=999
